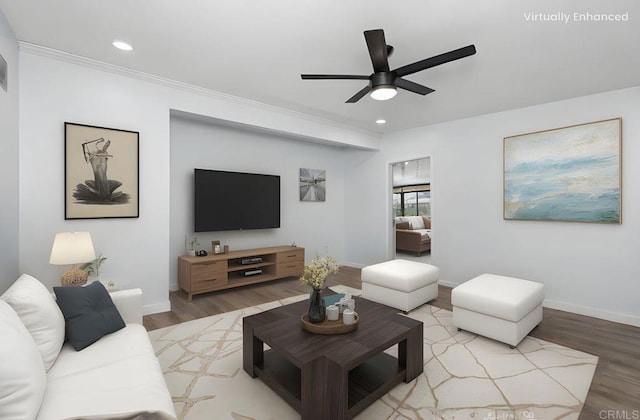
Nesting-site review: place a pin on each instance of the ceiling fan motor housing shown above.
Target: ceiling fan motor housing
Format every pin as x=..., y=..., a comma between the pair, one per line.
x=385, y=78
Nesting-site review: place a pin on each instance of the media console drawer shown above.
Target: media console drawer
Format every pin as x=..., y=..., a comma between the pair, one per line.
x=208, y=269
x=223, y=271
x=295, y=255
x=205, y=285
x=290, y=268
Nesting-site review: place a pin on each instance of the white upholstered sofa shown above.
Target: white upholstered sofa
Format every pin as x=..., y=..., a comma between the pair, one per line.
x=44, y=377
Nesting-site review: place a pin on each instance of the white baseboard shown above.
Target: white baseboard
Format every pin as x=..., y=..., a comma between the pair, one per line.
x=448, y=283
x=156, y=308
x=352, y=264
x=592, y=312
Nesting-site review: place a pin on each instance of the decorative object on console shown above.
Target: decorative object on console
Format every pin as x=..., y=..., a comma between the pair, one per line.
x=565, y=174
x=72, y=248
x=216, y=248
x=89, y=192
x=313, y=184
x=315, y=273
x=190, y=245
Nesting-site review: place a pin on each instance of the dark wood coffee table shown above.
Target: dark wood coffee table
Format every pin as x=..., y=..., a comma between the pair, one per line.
x=332, y=376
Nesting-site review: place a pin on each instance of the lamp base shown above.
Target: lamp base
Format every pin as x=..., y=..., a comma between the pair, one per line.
x=74, y=277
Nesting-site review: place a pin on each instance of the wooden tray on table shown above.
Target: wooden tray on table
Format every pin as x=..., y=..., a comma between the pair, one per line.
x=328, y=327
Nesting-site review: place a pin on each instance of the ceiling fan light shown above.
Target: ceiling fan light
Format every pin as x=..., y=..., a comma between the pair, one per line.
x=384, y=92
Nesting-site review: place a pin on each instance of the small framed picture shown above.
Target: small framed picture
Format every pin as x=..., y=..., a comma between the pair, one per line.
x=101, y=172
x=3, y=73
x=313, y=184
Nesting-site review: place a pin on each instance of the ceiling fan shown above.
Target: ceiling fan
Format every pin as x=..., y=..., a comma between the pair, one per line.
x=383, y=82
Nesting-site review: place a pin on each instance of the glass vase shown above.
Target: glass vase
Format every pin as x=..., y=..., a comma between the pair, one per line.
x=316, y=306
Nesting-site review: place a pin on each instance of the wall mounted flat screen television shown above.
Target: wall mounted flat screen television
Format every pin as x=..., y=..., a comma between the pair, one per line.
x=235, y=201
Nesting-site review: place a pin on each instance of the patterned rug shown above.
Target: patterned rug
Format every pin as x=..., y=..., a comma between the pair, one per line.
x=465, y=376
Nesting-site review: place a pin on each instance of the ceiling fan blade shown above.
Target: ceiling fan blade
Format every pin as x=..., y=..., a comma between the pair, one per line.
x=412, y=87
x=435, y=60
x=377, y=50
x=333, y=77
x=355, y=98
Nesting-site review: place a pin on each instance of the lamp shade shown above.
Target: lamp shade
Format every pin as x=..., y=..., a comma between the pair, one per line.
x=72, y=248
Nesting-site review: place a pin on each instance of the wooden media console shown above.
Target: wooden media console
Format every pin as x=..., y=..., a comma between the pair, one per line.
x=223, y=271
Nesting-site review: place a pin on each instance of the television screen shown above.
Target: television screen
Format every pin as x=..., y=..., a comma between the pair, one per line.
x=235, y=201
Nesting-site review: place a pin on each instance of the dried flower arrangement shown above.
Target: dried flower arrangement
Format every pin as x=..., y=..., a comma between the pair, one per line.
x=316, y=272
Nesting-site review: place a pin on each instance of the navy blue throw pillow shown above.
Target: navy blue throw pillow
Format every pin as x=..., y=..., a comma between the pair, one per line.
x=89, y=313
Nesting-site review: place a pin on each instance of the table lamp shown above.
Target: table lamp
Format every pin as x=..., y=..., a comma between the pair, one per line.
x=72, y=248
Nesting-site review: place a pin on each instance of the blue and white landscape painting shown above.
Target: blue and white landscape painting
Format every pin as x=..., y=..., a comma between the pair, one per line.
x=569, y=174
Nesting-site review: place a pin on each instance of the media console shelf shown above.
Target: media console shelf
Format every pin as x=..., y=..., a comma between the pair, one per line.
x=224, y=271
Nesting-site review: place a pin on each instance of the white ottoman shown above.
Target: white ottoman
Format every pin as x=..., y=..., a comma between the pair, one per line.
x=400, y=284
x=502, y=308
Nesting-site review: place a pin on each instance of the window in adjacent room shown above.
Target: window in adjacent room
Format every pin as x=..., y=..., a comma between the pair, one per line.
x=412, y=200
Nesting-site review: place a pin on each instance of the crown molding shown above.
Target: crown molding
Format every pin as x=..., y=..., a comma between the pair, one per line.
x=231, y=99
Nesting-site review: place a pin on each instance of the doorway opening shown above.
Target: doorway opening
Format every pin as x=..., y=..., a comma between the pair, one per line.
x=411, y=209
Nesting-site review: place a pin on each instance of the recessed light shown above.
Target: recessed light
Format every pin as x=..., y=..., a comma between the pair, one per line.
x=381, y=121
x=121, y=45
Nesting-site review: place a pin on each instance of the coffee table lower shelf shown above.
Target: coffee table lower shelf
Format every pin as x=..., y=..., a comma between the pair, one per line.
x=367, y=382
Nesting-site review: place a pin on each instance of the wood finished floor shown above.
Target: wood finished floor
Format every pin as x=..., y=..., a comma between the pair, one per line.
x=614, y=392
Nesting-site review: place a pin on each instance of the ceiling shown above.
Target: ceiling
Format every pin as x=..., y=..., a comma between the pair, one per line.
x=258, y=49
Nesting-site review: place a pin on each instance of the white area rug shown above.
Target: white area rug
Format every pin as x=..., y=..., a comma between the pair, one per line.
x=465, y=376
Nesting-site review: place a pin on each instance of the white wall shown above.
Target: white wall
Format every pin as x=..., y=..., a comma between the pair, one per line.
x=9, y=268
x=53, y=92
x=312, y=225
x=55, y=88
x=586, y=268
x=591, y=269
